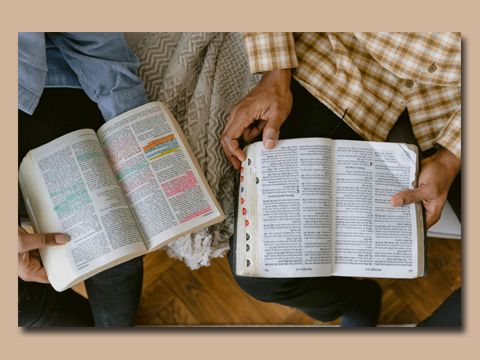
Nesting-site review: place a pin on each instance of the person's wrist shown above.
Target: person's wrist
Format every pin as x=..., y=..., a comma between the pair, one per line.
x=280, y=78
x=449, y=162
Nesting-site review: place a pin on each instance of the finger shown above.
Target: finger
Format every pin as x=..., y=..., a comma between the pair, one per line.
x=234, y=147
x=31, y=269
x=241, y=120
x=432, y=216
x=430, y=219
x=271, y=132
x=410, y=196
x=27, y=242
x=231, y=157
x=252, y=132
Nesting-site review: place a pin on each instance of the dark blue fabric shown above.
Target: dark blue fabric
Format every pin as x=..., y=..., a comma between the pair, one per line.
x=114, y=294
x=99, y=63
x=449, y=314
x=113, y=299
x=327, y=298
x=39, y=305
x=323, y=298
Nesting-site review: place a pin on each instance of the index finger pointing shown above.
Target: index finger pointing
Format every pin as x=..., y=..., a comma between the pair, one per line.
x=410, y=196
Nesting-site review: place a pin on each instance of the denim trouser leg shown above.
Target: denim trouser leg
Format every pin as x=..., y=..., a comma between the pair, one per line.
x=323, y=298
x=39, y=305
x=114, y=294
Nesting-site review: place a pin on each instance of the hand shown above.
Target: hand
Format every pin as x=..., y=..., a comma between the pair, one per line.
x=30, y=266
x=265, y=109
x=436, y=176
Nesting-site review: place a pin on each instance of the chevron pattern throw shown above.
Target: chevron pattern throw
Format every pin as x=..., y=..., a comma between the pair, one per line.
x=200, y=76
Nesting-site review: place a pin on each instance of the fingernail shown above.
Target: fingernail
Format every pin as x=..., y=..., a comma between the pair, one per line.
x=61, y=238
x=270, y=144
x=396, y=202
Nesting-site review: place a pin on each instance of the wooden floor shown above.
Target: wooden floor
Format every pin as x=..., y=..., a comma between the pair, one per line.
x=173, y=294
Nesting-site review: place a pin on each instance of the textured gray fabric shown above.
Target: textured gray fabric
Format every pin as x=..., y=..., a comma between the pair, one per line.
x=200, y=76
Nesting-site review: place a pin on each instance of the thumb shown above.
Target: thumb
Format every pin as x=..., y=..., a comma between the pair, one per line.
x=409, y=197
x=271, y=132
x=28, y=242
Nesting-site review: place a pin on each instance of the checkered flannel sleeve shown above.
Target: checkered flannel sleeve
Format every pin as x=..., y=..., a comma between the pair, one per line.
x=270, y=51
x=450, y=137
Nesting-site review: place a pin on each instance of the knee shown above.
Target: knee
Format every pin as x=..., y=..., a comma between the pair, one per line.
x=123, y=272
x=269, y=289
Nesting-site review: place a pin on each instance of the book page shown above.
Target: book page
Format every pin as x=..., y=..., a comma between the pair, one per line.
x=69, y=187
x=163, y=184
x=373, y=239
x=247, y=237
x=294, y=202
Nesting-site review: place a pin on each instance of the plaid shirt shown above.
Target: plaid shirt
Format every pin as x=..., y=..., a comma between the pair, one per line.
x=369, y=78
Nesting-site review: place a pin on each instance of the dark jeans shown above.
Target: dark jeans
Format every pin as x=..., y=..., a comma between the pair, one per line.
x=323, y=298
x=449, y=314
x=114, y=294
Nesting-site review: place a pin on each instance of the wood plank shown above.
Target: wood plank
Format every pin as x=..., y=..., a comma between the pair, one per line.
x=80, y=289
x=156, y=263
x=202, y=302
x=230, y=296
x=427, y=293
x=299, y=318
x=176, y=313
x=394, y=310
x=155, y=298
x=173, y=294
x=445, y=257
x=273, y=313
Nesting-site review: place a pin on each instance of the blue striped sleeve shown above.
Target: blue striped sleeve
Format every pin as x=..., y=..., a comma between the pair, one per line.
x=106, y=69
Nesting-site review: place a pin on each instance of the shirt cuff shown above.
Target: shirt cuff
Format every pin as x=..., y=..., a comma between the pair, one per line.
x=270, y=51
x=450, y=137
x=118, y=102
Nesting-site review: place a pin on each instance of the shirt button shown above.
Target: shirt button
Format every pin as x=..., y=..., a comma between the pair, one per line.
x=410, y=84
x=432, y=68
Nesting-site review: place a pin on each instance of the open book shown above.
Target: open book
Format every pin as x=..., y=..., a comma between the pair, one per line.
x=130, y=188
x=321, y=207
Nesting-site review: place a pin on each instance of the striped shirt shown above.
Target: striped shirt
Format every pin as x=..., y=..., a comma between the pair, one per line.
x=99, y=63
x=368, y=79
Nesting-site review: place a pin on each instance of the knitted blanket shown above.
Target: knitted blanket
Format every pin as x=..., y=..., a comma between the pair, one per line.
x=200, y=76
